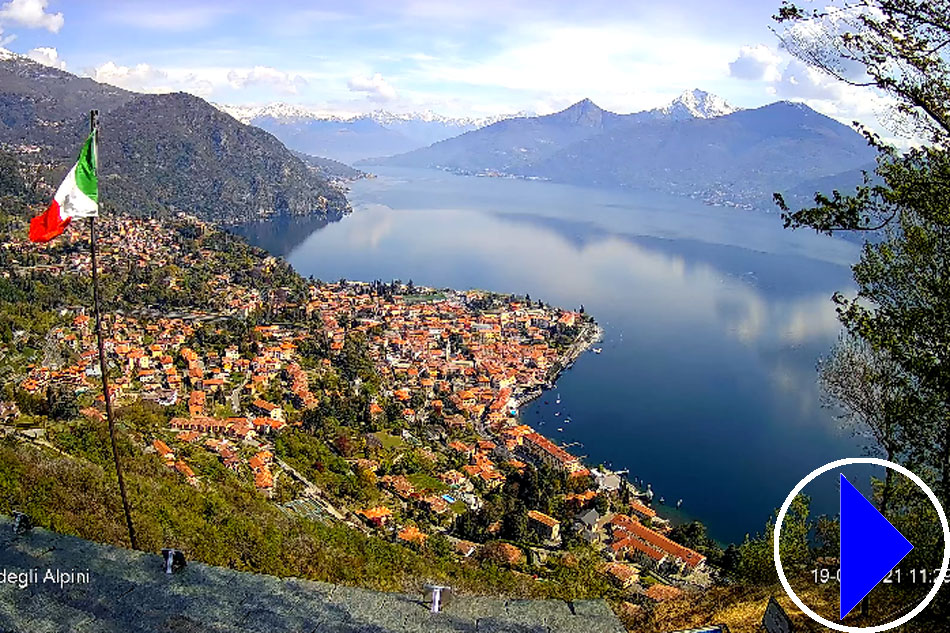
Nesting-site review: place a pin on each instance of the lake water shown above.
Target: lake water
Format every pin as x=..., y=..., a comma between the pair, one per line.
x=714, y=320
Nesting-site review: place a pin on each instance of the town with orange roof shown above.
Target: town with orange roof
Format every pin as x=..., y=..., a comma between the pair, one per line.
x=391, y=407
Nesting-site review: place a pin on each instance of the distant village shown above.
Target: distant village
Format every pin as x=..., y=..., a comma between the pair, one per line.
x=456, y=367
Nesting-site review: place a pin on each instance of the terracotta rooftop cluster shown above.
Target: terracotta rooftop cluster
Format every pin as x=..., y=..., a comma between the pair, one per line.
x=630, y=536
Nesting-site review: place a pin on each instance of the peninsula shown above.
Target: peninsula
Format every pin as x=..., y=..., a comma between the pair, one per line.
x=386, y=408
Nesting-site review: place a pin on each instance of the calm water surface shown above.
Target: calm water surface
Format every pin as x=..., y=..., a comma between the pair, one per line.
x=714, y=320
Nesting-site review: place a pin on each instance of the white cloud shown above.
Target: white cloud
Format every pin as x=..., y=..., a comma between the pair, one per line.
x=757, y=62
x=288, y=83
x=801, y=81
x=47, y=56
x=31, y=14
x=146, y=78
x=376, y=87
x=203, y=81
x=787, y=77
x=622, y=66
x=140, y=77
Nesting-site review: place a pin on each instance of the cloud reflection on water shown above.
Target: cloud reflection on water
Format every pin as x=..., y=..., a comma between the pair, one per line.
x=525, y=255
x=704, y=339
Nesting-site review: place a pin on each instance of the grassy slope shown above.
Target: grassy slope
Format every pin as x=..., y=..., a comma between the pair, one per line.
x=224, y=522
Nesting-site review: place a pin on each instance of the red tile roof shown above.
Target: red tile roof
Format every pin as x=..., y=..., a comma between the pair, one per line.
x=540, y=517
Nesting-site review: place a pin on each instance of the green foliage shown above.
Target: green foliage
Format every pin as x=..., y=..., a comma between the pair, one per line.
x=354, y=360
x=440, y=546
x=143, y=416
x=694, y=536
x=756, y=555
x=13, y=185
x=321, y=465
x=86, y=439
x=514, y=523
x=575, y=575
x=222, y=524
x=891, y=373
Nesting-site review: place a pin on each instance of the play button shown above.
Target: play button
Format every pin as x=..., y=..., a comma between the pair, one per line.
x=870, y=547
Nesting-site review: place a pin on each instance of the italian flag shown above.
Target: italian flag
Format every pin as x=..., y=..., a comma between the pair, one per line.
x=77, y=197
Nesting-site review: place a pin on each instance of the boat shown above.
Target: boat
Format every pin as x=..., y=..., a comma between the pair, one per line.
x=598, y=350
x=557, y=414
x=662, y=500
x=679, y=504
x=561, y=430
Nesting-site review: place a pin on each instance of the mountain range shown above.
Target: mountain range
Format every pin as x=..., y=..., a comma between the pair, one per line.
x=698, y=145
x=159, y=152
x=179, y=152
x=351, y=138
x=381, y=133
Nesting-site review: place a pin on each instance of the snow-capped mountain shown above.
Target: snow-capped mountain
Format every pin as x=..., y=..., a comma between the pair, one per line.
x=698, y=145
x=696, y=104
x=287, y=111
x=349, y=137
x=281, y=112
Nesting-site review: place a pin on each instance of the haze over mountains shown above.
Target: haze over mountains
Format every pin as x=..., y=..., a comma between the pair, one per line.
x=177, y=151
x=349, y=139
x=159, y=151
x=698, y=145
x=380, y=134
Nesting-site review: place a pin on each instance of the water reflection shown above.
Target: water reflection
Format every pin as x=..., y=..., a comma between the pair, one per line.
x=279, y=235
x=706, y=385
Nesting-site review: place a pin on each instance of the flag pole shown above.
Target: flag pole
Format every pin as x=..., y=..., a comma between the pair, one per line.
x=103, y=364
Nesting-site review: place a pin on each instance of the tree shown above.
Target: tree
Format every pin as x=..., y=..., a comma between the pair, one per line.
x=514, y=524
x=756, y=564
x=694, y=536
x=868, y=386
x=440, y=546
x=899, y=46
x=902, y=309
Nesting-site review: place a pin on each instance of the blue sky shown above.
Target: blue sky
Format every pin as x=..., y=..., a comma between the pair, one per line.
x=454, y=57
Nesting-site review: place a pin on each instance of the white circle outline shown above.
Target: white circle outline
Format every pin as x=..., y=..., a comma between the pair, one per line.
x=880, y=628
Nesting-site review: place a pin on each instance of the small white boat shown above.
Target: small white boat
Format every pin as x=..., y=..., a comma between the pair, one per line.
x=560, y=429
x=598, y=350
x=557, y=414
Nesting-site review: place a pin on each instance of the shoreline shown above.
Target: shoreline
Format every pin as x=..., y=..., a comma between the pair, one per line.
x=590, y=334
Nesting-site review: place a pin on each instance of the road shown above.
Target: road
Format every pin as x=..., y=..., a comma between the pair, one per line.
x=236, y=395
x=313, y=493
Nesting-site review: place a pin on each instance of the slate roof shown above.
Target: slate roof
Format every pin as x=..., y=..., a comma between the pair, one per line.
x=129, y=591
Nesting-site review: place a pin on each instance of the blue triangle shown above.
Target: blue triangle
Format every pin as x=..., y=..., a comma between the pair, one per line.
x=870, y=547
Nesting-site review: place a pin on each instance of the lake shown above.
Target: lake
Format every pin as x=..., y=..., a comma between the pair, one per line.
x=714, y=320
